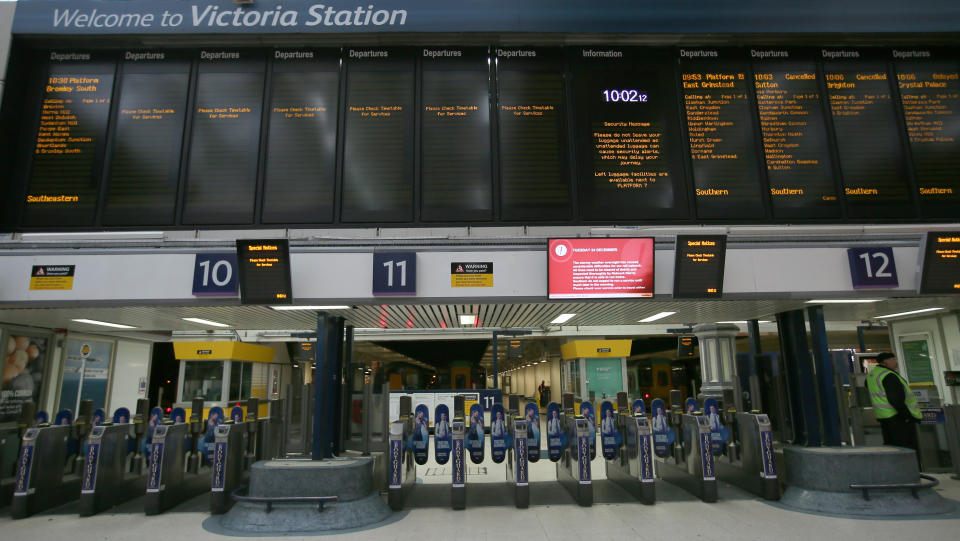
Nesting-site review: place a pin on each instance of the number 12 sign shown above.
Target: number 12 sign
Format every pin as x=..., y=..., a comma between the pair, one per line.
x=872, y=268
x=395, y=273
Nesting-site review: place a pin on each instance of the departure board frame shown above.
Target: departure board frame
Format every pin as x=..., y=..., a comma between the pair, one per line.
x=699, y=257
x=264, y=267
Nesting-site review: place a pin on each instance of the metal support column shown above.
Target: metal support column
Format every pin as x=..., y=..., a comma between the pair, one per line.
x=826, y=384
x=799, y=368
x=344, y=390
x=323, y=404
x=756, y=349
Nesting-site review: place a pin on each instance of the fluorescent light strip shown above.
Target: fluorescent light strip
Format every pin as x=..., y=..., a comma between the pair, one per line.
x=331, y=307
x=742, y=322
x=655, y=317
x=910, y=313
x=204, y=322
x=468, y=319
x=563, y=318
x=103, y=323
x=841, y=301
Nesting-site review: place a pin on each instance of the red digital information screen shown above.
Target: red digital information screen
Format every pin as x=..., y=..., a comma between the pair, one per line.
x=599, y=268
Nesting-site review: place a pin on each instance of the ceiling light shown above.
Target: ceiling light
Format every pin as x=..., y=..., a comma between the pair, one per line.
x=205, y=322
x=302, y=307
x=655, y=317
x=841, y=301
x=744, y=322
x=907, y=313
x=104, y=323
x=563, y=318
x=468, y=319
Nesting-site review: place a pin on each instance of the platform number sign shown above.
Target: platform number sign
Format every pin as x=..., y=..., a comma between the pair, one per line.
x=395, y=273
x=872, y=268
x=215, y=274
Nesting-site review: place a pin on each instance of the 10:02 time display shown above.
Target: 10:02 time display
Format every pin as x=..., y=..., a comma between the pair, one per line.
x=631, y=95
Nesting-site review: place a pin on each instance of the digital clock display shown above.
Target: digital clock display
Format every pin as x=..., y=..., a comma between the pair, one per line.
x=631, y=95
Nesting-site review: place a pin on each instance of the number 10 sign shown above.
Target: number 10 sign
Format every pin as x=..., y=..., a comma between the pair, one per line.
x=872, y=268
x=395, y=273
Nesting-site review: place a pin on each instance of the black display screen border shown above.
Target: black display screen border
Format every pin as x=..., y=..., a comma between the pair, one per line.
x=678, y=258
x=929, y=247
x=243, y=273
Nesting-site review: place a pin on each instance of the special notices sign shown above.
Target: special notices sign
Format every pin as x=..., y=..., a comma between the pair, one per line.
x=600, y=268
x=471, y=274
x=52, y=277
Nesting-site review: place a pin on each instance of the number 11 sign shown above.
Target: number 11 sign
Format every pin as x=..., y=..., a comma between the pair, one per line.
x=872, y=268
x=395, y=273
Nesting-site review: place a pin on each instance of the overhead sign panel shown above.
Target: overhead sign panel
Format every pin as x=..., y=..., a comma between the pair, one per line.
x=698, y=273
x=941, y=264
x=600, y=268
x=264, y=271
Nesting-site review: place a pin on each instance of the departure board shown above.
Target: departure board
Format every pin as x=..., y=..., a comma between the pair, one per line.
x=302, y=138
x=144, y=165
x=378, y=140
x=721, y=135
x=532, y=137
x=930, y=97
x=456, y=180
x=225, y=140
x=68, y=146
x=628, y=141
x=795, y=142
x=941, y=264
x=869, y=147
x=264, y=271
x=699, y=265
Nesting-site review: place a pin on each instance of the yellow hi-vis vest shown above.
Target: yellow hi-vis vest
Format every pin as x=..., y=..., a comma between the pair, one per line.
x=881, y=406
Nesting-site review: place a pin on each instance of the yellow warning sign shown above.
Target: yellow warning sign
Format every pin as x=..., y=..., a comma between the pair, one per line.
x=471, y=274
x=52, y=277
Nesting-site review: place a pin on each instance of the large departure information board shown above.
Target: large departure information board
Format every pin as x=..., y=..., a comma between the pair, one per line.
x=68, y=144
x=144, y=166
x=795, y=140
x=930, y=97
x=456, y=179
x=301, y=146
x=264, y=271
x=875, y=178
x=720, y=131
x=224, y=149
x=941, y=264
x=628, y=144
x=378, y=143
x=699, y=266
x=533, y=171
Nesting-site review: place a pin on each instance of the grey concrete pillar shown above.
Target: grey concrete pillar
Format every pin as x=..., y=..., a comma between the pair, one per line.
x=718, y=366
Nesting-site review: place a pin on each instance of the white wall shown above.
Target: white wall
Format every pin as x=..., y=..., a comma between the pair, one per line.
x=131, y=363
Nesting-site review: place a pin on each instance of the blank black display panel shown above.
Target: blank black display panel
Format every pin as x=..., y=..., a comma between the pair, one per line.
x=68, y=146
x=378, y=142
x=875, y=177
x=301, y=145
x=941, y=264
x=145, y=162
x=225, y=143
x=456, y=172
x=264, y=271
x=533, y=175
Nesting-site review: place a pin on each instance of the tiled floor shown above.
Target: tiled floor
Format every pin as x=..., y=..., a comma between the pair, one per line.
x=490, y=514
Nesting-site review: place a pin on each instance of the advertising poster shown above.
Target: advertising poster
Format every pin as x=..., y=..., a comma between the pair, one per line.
x=64, y=417
x=586, y=409
x=206, y=444
x=600, y=268
x=121, y=416
x=236, y=414
x=441, y=433
x=41, y=418
x=475, y=434
x=610, y=437
x=690, y=406
x=420, y=439
x=98, y=417
x=556, y=437
x=719, y=434
x=638, y=407
x=663, y=435
x=498, y=433
x=86, y=372
x=532, y=416
x=22, y=374
x=178, y=415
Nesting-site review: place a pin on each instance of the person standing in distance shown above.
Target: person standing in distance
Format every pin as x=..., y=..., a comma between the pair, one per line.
x=893, y=403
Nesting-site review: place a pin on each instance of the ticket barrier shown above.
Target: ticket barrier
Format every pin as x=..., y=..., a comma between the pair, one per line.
x=690, y=463
x=517, y=462
x=632, y=468
x=197, y=427
x=168, y=482
x=573, y=468
x=458, y=456
x=269, y=437
x=748, y=458
x=46, y=476
x=401, y=468
x=10, y=440
x=233, y=452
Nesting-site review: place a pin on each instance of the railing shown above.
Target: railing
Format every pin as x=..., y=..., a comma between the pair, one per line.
x=912, y=487
x=270, y=500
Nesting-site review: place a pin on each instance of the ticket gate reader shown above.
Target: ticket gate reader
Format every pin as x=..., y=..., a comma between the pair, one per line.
x=573, y=468
x=632, y=468
x=10, y=441
x=105, y=479
x=401, y=467
x=690, y=465
x=755, y=468
x=168, y=482
x=229, y=469
x=458, y=456
x=518, y=473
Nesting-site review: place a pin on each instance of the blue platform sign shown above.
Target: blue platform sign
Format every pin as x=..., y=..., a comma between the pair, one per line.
x=872, y=268
x=395, y=273
x=215, y=275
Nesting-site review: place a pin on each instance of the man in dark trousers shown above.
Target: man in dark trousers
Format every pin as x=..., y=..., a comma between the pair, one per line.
x=893, y=403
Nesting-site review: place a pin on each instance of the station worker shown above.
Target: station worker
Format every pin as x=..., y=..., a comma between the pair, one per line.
x=893, y=403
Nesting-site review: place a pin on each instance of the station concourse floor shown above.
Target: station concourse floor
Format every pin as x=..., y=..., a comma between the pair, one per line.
x=490, y=514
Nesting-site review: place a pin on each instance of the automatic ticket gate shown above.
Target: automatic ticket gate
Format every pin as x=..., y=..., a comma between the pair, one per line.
x=235, y=448
x=517, y=461
x=573, y=468
x=401, y=469
x=10, y=440
x=632, y=467
x=748, y=458
x=683, y=455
